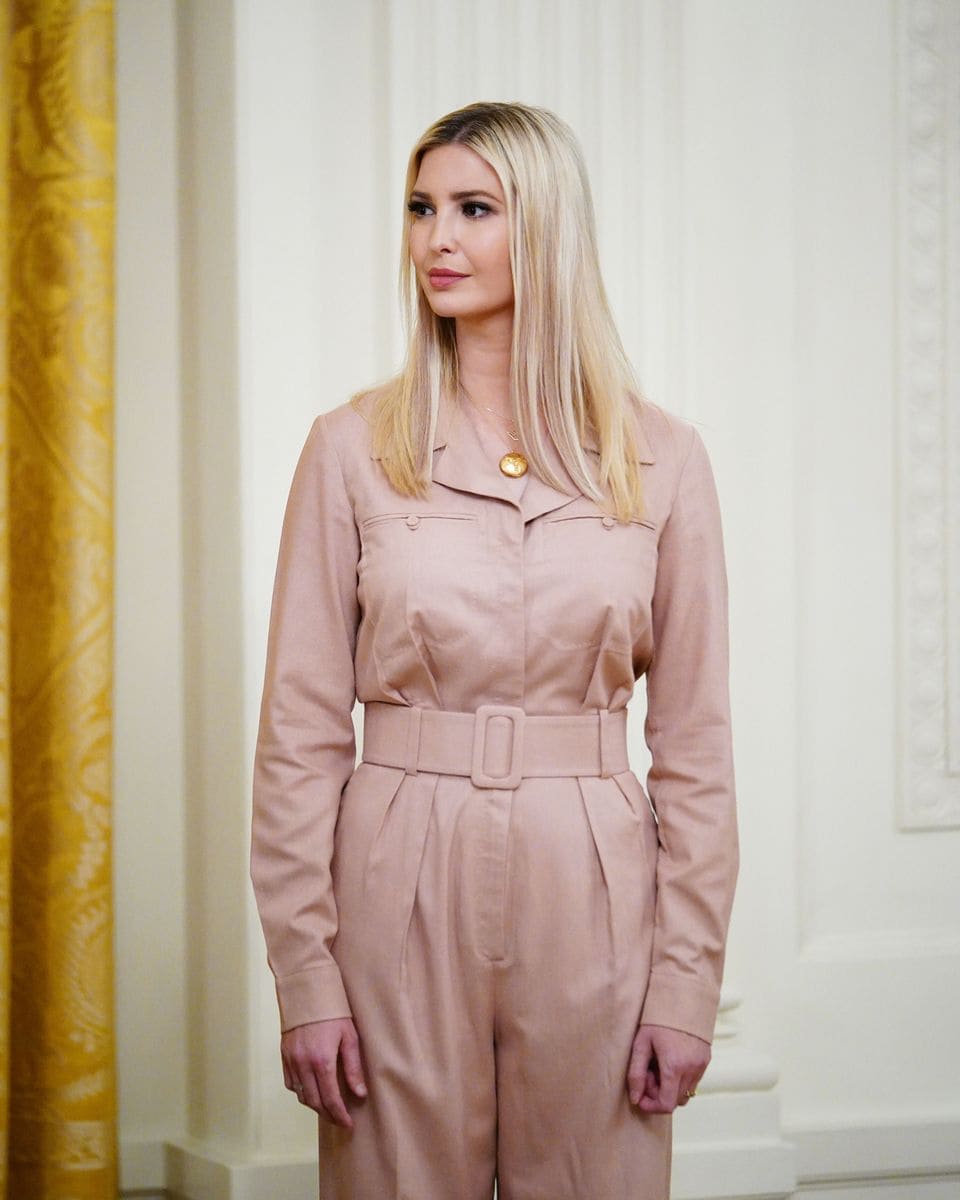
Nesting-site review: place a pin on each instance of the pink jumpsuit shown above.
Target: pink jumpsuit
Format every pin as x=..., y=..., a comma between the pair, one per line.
x=492, y=896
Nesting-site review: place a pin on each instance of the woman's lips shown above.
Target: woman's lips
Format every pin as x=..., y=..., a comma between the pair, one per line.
x=444, y=279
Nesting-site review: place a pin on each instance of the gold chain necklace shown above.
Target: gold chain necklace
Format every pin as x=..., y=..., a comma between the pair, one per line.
x=513, y=463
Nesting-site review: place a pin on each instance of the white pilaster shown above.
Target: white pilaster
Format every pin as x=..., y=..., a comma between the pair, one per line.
x=728, y=1139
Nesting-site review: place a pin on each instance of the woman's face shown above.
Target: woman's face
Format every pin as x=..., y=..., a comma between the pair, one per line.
x=459, y=237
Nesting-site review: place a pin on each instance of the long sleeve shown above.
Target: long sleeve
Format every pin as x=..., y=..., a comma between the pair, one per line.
x=306, y=746
x=691, y=779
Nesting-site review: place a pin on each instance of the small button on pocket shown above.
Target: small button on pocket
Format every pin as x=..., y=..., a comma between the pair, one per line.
x=413, y=521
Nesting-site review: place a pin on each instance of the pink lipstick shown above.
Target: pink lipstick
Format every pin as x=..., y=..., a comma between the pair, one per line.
x=444, y=279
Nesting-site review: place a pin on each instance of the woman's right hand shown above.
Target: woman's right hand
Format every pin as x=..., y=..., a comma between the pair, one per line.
x=310, y=1054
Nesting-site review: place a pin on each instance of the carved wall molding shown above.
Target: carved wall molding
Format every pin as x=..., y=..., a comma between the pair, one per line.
x=928, y=495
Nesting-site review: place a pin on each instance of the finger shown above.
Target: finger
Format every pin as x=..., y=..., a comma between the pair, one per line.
x=662, y=1090
x=352, y=1066
x=652, y=1082
x=308, y=1094
x=306, y=1090
x=290, y=1079
x=688, y=1089
x=323, y=1114
x=651, y=1086
x=329, y=1094
x=669, y=1087
x=652, y=1100
x=637, y=1082
x=638, y=1072
x=319, y=1109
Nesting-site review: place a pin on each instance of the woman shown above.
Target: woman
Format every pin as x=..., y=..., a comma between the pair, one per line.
x=493, y=957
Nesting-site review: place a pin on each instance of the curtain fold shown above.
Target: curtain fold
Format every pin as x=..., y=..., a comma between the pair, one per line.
x=5, y=792
x=57, y=1073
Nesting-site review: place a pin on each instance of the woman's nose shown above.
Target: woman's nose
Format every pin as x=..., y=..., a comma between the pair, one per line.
x=442, y=232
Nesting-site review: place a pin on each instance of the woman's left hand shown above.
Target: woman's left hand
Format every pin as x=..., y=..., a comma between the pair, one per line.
x=665, y=1067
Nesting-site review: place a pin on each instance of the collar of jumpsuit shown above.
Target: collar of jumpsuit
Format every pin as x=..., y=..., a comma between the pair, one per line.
x=462, y=463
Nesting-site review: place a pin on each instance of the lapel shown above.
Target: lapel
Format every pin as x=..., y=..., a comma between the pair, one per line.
x=460, y=462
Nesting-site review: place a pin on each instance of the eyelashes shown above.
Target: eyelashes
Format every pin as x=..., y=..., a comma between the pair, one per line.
x=419, y=209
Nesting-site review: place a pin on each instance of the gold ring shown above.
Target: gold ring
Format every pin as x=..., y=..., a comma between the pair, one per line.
x=690, y=1095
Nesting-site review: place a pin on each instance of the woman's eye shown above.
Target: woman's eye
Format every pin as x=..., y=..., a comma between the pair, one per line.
x=471, y=208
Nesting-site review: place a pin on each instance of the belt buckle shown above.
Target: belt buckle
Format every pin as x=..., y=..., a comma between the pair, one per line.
x=483, y=715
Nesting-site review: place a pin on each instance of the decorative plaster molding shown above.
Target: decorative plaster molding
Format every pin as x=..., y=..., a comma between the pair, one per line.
x=928, y=152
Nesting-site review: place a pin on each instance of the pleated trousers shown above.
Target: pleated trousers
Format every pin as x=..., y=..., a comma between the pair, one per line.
x=495, y=946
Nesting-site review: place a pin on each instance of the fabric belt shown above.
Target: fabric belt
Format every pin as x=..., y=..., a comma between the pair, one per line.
x=496, y=746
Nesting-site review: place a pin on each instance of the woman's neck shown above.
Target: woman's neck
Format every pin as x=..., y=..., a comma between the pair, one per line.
x=483, y=354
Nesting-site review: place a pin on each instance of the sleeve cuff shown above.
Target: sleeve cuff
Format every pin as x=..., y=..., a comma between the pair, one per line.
x=680, y=1002
x=314, y=995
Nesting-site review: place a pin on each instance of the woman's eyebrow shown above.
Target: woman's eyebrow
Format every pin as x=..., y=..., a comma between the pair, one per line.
x=456, y=195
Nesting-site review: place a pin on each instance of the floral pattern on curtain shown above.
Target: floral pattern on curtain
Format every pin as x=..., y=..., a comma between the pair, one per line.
x=57, y=1075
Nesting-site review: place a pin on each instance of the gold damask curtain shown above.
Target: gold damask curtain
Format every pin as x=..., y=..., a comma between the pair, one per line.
x=57, y=1089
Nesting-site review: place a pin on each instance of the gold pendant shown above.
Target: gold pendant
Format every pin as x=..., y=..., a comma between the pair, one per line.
x=513, y=464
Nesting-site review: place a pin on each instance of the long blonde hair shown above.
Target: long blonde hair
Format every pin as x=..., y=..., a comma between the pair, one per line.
x=567, y=360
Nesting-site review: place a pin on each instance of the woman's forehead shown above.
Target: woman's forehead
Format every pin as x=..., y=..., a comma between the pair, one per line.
x=455, y=168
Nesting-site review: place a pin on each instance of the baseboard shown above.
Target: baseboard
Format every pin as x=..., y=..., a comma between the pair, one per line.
x=728, y=1146
x=910, y=1160
x=195, y=1172
x=913, y=1160
x=143, y=1169
x=186, y=1169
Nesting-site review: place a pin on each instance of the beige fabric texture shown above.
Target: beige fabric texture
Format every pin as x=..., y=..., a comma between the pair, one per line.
x=496, y=946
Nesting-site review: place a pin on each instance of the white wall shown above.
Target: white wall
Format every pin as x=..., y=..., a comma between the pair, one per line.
x=776, y=184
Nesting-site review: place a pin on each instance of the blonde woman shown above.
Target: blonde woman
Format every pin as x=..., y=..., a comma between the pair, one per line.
x=495, y=957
